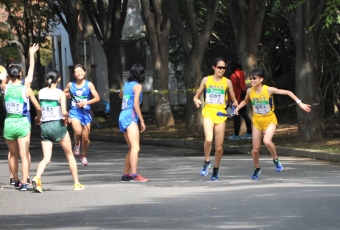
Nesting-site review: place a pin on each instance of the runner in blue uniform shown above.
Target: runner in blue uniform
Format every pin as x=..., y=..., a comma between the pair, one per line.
x=128, y=121
x=80, y=113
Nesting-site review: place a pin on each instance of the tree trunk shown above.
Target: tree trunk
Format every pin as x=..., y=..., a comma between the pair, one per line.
x=115, y=79
x=193, y=78
x=194, y=41
x=300, y=20
x=158, y=27
x=247, y=18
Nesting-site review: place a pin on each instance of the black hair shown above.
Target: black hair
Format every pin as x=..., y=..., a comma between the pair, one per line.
x=257, y=72
x=14, y=71
x=234, y=65
x=51, y=76
x=18, y=64
x=218, y=59
x=137, y=73
x=78, y=66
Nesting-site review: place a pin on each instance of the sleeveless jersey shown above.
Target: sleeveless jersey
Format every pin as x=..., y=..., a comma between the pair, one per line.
x=129, y=95
x=50, y=104
x=262, y=103
x=216, y=93
x=16, y=102
x=81, y=94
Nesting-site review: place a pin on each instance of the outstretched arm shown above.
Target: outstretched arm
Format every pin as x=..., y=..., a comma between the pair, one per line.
x=29, y=78
x=303, y=106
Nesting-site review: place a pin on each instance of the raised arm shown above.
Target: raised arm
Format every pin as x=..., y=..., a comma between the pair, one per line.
x=29, y=78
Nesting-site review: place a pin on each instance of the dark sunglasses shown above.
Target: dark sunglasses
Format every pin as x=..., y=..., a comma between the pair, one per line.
x=220, y=67
x=252, y=78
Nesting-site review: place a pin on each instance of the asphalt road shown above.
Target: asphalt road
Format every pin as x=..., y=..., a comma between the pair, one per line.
x=305, y=195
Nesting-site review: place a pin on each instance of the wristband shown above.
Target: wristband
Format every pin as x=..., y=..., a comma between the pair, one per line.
x=298, y=101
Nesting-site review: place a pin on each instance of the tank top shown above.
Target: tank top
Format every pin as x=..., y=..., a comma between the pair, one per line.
x=129, y=95
x=81, y=94
x=262, y=103
x=16, y=102
x=50, y=104
x=216, y=93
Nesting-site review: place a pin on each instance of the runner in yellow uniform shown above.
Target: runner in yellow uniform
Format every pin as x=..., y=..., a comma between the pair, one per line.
x=216, y=89
x=264, y=119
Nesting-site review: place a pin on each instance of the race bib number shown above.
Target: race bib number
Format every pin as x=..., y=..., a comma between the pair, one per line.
x=74, y=104
x=261, y=107
x=215, y=96
x=49, y=109
x=125, y=101
x=14, y=107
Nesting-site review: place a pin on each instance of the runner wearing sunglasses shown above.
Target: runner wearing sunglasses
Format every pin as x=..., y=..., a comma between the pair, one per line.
x=215, y=88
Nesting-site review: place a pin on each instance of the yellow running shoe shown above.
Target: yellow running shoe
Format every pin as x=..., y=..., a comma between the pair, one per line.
x=79, y=187
x=36, y=182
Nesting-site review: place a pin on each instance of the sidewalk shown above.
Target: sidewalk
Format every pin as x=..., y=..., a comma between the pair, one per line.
x=228, y=148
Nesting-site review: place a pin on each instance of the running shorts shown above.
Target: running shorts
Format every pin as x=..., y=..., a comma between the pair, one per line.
x=15, y=128
x=84, y=116
x=263, y=121
x=211, y=113
x=53, y=131
x=126, y=117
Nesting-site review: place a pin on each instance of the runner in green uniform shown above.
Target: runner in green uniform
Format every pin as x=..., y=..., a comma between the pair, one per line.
x=17, y=128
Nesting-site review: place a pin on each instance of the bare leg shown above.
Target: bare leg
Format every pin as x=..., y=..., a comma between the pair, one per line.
x=85, y=139
x=23, y=144
x=257, y=136
x=67, y=147
x=47, y=154
x=133, y=138
x=219, y=139
x=208, y=127
x=13, y=157
x=267, y=140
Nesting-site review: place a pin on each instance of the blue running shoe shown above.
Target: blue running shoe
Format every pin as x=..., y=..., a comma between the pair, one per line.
x=205, y=169
x=256, y=175
x=278, y=165
x=247, y=136
x=214, y=176
x=234, y=138
x=23, y=187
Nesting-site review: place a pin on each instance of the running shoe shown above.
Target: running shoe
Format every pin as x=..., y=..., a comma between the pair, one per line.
x=28, y=181
x=76, y=150
x=84, y=161
x=214, y=176
x=17, y=184
x=125, y=178
x=256, y=174
x=138, y=178
x=23, y=187
x=11, y=181
x=278, y=165
x=247, y=136
x=234, y=138
x=78, y=187
x=205, y=169
x=36, y=182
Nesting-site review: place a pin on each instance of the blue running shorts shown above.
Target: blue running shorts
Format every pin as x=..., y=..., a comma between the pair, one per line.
x=84, y=116
x=126, y=117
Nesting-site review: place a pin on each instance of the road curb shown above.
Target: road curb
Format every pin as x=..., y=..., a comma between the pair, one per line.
x=228, y=149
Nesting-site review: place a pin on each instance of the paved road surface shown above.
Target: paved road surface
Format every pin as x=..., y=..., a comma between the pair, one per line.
x=305, y=195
